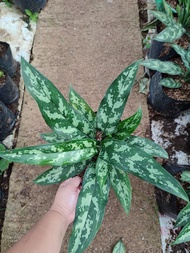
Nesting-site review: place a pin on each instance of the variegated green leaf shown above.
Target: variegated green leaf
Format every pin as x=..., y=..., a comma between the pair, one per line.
x=54, y=137
x=112, y=105
x=2, y=147
x=184, y=235
x=3, y=163
x=170, y=83
x=160, y=5
x=89, y=211
x=182, y=52
x=58, y=174
x=119, y=248
x=122, y=187
x=164, y=18
x=170, y=33
x=185, y=176
x=144, y=84
x=187, y=33
x=139, y=163
x=168, y=9
x=183, y=217
x=163, y=67
x=56, y=111
x=54, y=153
x=188, y=54
x=147, y=146
x=102, y=169
x=81, y=105
x=128, y=126
x=151, y=25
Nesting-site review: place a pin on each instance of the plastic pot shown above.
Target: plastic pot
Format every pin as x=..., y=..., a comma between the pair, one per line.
x=7, y=121
x=161, y=51
x=31, y=5
x=167, y=203
x=161, y=103
x=7, y=62
x=9, y=92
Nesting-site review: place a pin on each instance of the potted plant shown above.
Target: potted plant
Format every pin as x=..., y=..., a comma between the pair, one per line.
x=9, y=92
x=7, y=121
x=99, y=145
x=157, y=98
x=34, y=6
x=164, y=48
x=177, y=21
x=7, y=62
x=183, y=218
x=169, y=117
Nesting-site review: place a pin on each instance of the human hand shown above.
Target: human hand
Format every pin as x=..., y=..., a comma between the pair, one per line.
x=66, y=198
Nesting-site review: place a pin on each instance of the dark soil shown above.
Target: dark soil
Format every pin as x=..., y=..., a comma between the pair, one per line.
x=142, y=12
x=2, y=49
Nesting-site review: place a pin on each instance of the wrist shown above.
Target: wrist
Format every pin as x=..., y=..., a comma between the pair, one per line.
x=61, y=215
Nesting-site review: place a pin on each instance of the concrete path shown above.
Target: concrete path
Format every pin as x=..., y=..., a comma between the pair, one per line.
x=86, y=43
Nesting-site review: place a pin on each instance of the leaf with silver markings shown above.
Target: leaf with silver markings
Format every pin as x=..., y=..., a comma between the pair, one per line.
x=112, y=105
x=57, y=174
x=61, y=153
x=89, y=211
x=119, y=248
x=122, y=187
x=81, y=105
x=128, y=126
x=56, y=111
x=142, y=165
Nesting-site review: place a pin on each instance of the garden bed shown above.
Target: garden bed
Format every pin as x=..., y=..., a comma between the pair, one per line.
x=16, y=32
x=170, y=127
x=118, y=60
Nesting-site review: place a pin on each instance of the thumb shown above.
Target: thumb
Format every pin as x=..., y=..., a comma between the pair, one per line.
x=74, y=182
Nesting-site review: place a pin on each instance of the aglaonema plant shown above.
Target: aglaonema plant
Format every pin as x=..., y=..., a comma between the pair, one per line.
x=171, y=68
x=183, y=218
x=99, y=144
x=119, y=248
x=175, y=27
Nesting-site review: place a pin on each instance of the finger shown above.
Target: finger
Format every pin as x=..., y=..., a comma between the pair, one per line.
x=66, y=182
x=76, y=181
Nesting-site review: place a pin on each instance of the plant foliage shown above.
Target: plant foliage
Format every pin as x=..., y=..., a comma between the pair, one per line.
x=183, y=218
x=175, y=28
x=8, y=3
x=100, y=144
x=119, y=248
x=3, y=162
x=171, y=68
x=32, y=16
